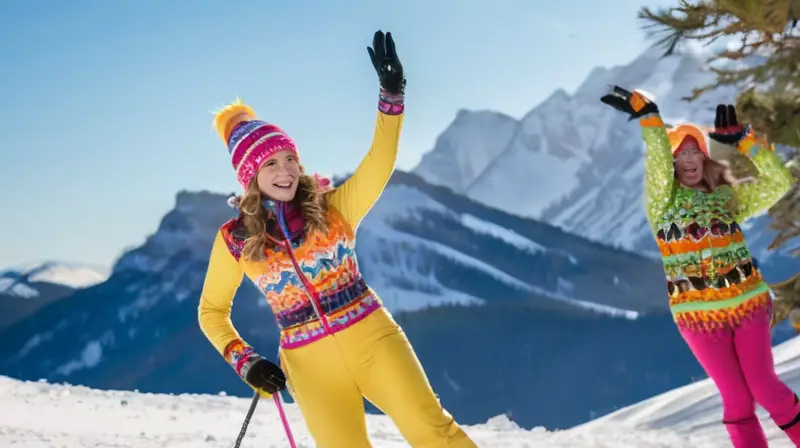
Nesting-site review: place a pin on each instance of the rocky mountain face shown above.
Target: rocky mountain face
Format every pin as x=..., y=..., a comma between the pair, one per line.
x=506, y=313
x=578, y=164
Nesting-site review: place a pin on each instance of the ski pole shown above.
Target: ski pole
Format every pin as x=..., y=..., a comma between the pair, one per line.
x=286, y=428
x=277, y=398
x=246, y=423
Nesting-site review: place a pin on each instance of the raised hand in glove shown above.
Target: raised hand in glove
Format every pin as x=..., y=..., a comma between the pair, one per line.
x=266, y=376
x=384, y=58
x=727, y=129
x=632, y=103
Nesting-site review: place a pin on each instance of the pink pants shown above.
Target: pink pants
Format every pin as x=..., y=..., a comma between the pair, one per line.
x=739, y=362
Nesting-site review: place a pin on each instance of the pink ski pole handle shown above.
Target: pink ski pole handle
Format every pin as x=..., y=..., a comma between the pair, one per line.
x=286, y=428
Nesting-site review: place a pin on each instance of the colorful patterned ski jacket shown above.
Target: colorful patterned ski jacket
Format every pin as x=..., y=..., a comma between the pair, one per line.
x=314, y=286
x=711, y=280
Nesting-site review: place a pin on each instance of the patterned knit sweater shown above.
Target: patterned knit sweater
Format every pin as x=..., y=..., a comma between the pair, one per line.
x=711, y=280
x=314, y=287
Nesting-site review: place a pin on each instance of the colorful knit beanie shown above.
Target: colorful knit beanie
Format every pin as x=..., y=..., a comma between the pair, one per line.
x=250, y=141
x=678, y=135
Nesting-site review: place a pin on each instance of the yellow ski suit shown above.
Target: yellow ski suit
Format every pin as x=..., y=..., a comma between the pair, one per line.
x=357, y=349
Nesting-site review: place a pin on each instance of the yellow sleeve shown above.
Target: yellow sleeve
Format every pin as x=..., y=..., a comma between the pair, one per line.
x=223, y=277
x=356, y=196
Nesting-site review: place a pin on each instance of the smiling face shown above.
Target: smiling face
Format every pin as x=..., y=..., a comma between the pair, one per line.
x=279, y=176
x=689, y=161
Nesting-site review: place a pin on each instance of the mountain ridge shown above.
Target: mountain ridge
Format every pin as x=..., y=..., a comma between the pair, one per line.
x=578, y=164
x=465, y=281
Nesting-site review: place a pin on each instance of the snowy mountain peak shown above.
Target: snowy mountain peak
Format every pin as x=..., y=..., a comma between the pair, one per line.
x=557, y=99
x=485, y=133
x=182, y=243
x=21, y=280
x=598, y=81
x=454, y=272
x=187, y=230
x=196, y=203
x=576, y=163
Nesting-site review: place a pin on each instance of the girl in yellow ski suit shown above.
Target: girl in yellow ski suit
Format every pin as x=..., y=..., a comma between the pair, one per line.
x=338, y=344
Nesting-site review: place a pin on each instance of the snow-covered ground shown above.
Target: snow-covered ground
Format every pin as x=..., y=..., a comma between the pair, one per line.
x=38, y=415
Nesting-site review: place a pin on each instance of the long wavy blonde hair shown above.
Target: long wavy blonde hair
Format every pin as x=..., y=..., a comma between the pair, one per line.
x=260, y=225
x=256, y=223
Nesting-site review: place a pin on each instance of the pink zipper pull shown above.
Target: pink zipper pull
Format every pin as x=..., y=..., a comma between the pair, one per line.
x=313, y=295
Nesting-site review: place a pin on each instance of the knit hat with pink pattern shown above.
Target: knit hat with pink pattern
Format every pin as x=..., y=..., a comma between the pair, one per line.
x=250, y=141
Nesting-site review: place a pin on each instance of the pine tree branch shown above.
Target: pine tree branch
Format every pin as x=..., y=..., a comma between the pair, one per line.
x=765, y=32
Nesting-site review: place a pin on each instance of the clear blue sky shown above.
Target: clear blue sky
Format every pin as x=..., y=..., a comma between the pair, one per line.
x=106, y=104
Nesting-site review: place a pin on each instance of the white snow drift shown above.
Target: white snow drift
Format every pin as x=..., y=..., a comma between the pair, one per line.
x=34, y=415
x=39, y=415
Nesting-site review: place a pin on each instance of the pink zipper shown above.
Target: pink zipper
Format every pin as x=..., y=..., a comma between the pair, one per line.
x=310, y=289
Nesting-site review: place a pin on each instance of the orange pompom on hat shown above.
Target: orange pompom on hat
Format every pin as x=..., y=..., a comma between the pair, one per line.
x=680, y=134
x=250, y=141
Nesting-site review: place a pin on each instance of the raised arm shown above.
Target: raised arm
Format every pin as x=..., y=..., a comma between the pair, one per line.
x=358, y=194
x=774, y=179
x=659, y=171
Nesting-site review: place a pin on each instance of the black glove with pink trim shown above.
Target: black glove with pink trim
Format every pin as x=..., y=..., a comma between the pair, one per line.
x=258, y=372
x=390, y=73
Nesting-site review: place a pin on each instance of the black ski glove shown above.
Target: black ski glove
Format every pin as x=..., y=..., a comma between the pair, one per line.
x=387, y=65
x=266, y=376
x=391, y=100
x=631, y=103
x=727, y=129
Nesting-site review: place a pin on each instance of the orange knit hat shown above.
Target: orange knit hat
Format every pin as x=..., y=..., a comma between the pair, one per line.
x=678, y=134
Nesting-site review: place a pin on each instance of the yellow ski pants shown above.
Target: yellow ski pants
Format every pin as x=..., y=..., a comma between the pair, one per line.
x=373, y=359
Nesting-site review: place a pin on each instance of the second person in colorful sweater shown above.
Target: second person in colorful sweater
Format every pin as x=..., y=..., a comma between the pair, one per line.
x=718, y=298
x=295, y=239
